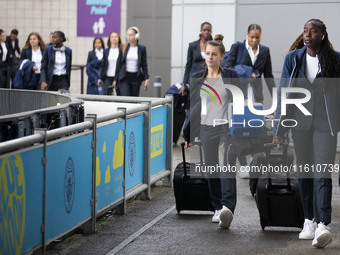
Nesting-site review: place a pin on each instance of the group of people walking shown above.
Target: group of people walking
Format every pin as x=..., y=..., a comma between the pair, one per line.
x=117, y=68
x=39, y=66
x=311, y=64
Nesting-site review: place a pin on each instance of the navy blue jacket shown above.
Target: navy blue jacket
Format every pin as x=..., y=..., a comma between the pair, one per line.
x=142, y=73
x=331, y=93
x=262, y=65
x=16, y=45
x=25, y=78
x=47, y=65
x=229, y=76
x=27, y=53
x=91, y=56
x=195, y=62
x=93, y=70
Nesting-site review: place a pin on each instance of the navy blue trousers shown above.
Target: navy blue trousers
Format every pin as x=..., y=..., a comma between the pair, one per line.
x=222, y=186
x=314, y=149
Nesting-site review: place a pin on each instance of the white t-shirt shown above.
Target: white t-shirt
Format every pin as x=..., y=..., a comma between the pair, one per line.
x=312, y=68
x=253, y=56
x=60, y=63
x=132, y=60
x=112, y=62
x=4, y=51
x=211, y=108
x=99, y=53
x=36, y=58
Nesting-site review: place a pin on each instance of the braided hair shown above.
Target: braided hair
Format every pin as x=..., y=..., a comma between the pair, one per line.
x=330, y=63
x=297, y=44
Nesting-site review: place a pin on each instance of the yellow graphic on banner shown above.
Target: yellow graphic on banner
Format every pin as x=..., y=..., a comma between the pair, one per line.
x=97, y=172
x=118, y=156
x=156, y=140
x=12, y=205
x=107, y=175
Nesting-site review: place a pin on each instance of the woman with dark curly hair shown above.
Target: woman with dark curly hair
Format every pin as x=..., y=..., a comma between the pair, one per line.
x=314, y=67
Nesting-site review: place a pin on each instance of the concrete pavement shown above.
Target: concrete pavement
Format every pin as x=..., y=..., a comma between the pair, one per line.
x=154, y=227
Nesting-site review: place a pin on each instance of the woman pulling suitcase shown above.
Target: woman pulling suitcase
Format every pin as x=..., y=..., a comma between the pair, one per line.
x=316, y=68
x=211, y=80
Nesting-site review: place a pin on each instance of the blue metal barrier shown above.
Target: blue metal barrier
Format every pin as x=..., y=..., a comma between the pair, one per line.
x=46, y=179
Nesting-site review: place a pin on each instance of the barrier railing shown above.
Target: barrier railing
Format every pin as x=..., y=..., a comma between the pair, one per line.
x=9, y=67
x=57, y=180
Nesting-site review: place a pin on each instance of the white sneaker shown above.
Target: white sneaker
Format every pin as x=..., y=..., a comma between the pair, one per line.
x=216, y=217
x=226, y=216
x=322, y=236
x=308, y=231
x=243, y=173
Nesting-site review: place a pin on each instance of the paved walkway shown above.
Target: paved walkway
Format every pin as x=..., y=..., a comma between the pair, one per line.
x=154, y=227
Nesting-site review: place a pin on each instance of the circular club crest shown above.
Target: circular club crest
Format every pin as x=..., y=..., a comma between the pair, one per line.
x=132, y=153
x=69, y=185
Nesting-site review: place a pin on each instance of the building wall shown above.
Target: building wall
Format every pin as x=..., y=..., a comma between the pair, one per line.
x=187, y=17
x=153, y=18
x=281, y=21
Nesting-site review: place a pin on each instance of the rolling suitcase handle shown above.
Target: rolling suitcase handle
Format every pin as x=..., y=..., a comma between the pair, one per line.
x=184, y=162
x=268, y=147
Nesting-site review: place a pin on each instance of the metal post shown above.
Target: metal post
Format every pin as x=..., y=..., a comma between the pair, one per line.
x=157, y=86
x=92, y=228
x=169, y=138
x=121, y=209
x=82, y=79
x=146, y=194
x=44, y=162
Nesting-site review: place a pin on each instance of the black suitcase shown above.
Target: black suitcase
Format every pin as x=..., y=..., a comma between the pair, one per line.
x=259, y=159
x=190, y=189
x=278, y=199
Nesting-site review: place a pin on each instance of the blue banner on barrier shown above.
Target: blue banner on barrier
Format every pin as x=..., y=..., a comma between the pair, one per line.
x=69, y=184
x=134, y=151
x=21, y=202
x=109, y=164
x=158, y=139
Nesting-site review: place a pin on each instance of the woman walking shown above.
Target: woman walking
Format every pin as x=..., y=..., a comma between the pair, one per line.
x=316, y=68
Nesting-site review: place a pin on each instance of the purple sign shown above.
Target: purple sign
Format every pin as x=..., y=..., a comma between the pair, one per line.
x=98, y=17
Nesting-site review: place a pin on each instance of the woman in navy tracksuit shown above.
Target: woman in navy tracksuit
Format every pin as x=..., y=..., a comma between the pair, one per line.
x=110, y=58
x=201, y=124
x=94, y=65
x=132, y=66
x=56, y=65
x=33, y=51
x=316, y=68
